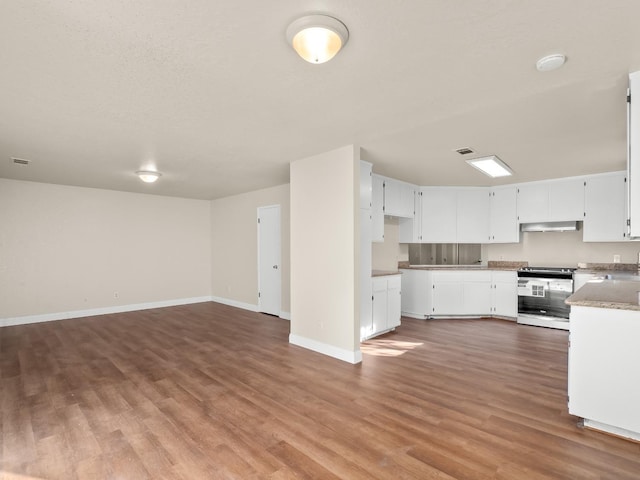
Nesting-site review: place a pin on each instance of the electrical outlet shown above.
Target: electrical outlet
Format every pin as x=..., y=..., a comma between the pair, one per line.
x=616, y=259
x=116, y=294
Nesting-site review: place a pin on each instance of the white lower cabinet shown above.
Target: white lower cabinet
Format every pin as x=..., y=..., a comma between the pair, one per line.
x=604, y=367
x=462, y=292
x=447, y=298
x=504, y=295
x=417, y=295
x=441, y=293
x=386, y=304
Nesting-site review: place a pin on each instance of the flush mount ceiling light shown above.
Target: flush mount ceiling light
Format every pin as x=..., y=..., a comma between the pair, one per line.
x=550, y=62
x=317, y=38
x=148, y=176
x=491, y=166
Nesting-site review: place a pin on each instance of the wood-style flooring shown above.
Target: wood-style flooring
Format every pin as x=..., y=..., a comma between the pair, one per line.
x=208, y=391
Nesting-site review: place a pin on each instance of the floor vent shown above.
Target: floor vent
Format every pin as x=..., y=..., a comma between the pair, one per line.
x=20, y=161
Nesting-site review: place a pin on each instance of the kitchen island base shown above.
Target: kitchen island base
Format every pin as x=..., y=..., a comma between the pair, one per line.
x=604, y=368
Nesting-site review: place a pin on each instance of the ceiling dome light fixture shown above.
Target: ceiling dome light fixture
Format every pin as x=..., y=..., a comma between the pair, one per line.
x=551, y=62
x=317, y=38
x=148, y=176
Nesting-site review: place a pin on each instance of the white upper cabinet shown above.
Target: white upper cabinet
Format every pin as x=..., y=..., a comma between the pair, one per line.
x=633, y=161
x=472, y=215
x=439, y=217
x=410, y=229
x=566, y=199
x=533, y=203
x=365, y=184
x=398, y=198
x=605, y=205
x=551, y=201
x=377, y=206
x=503, y=215
x=455, y=215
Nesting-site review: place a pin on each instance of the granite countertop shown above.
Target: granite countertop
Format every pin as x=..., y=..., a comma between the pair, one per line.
x=383, y=273
x=493, y=265
x=616, y=294
x=607, y=267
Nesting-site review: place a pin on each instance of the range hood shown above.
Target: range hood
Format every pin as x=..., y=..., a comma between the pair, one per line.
x=571, y=226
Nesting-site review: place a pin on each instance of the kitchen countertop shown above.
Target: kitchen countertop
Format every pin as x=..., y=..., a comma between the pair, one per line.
x=384, y=273
x=492, y=265
x=616, y=294
x=607, y=267
x=457, y=267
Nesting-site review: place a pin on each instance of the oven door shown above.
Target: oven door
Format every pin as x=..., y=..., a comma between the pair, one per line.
x=544, y=296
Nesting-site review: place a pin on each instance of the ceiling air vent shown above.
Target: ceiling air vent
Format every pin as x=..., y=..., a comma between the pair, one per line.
x=464, y=151
x=20, y=161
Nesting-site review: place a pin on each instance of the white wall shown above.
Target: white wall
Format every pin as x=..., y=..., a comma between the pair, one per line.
x=557, y=249
x=538, y=248
x=325, y=246
x=234, y=246
x=387, y=254
x=68, y=249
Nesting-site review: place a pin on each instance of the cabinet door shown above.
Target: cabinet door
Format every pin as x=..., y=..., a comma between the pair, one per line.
x=472, y=215
x=416, y=293
x=633, y=136
x=398, y=198
x=566, y=200
x=379, y=304
x=409, y=229
x=605, y=208
x=448, y=298
x=407, y=199
x=505, y=294
x=533, y=203
x=439, y=215
x=393, y=301
x=503, y=215
x=377, y=213
x=477, y=292
x=477, y=298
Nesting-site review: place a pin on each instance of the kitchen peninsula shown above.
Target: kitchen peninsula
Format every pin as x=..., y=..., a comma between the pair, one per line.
x=604, y=358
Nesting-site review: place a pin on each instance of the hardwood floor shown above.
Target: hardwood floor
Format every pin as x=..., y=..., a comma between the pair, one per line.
x=209, y=391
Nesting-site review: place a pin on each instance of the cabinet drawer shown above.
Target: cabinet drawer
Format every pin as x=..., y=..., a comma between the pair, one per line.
x=504, y=276
x=473, y=276
x=442, y=276
x=393, y=281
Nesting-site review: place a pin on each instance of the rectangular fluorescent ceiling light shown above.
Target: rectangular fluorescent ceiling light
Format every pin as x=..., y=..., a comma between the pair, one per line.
x=491, y=166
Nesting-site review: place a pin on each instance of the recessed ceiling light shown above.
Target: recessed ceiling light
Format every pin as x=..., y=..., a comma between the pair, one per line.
x=148, y=176
x=317, y=38
x=550, y=62
x=491, y=166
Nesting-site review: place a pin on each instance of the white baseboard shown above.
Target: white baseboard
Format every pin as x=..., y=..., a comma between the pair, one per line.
x=326, y=349
x=417, y=316
x=620, y=432
x=234, y=303
x=49, y=317
x=285, y=315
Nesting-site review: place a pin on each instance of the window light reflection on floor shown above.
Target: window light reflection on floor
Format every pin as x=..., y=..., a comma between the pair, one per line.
x=383, y=347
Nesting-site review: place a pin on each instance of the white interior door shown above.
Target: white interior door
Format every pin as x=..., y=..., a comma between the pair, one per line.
x=269, y=277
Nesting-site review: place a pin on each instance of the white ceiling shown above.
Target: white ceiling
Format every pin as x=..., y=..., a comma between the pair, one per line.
x=210, y=93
